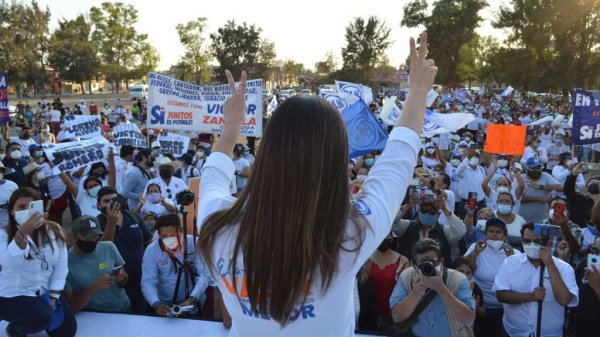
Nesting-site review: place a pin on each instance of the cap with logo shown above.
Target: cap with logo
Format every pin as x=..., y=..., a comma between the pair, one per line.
x=86, y=226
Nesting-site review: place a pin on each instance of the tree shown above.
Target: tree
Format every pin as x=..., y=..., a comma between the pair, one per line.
x=197, y=55
x=469, y=66
x=117, y=40
x=147, y=59
x=560, y=36
x=71, y=52
x=328, y=65
x=241, y=47
x=451, y=25
x=366, y=43
x=24, y=36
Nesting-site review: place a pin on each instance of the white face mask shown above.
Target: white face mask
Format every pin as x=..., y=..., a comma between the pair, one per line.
x=481, y=225
x=40, y=175
x=21, y=216
x=532, y=250
x=2, y=156
x=569, y=162
x=455, y=162
x=200, y=154
x=504, y=209
x=502, y=163
x=467, y=139
x=495, y=244
x=430, y=150
x=16, y=155
x=474, y=161
x=502, y=189
x=171, y=243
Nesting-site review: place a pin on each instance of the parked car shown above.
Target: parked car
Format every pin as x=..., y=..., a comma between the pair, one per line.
x=138, y=91
x=305, y=92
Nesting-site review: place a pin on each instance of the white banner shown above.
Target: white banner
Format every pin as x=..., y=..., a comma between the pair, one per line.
x=178, y=105
x=81, y=126
x=390, y=112
x=338, y=102
x=129, y=134
x=173, y=143
x=507, y=91
x=431, y=96
x=363, y=92
x=65, y=157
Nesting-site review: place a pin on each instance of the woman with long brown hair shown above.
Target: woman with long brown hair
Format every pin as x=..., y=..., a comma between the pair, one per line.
x=33, y=256
x=286, y=253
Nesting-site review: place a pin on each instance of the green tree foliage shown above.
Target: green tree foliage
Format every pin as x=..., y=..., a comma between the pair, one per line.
x=557, y=39
x=451, y=24
x=24, y=43
x=121, y=48
x=194, y=64
x=366, y=42
x=71, y=52
x=328, y=65
x=241, y=47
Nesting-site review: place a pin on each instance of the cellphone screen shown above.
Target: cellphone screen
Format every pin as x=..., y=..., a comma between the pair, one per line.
x=472, y=201
x=36, y=206
x=559, y=210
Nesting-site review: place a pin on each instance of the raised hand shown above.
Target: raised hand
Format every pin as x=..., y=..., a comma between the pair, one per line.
x=422, y=71
x=234, y=107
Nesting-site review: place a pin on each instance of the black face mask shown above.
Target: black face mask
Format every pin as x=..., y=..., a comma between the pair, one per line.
x=87, y=246
x=165, y=173
x=385, y=245
x=593, y=188
x=535, y=175
x=26, y=135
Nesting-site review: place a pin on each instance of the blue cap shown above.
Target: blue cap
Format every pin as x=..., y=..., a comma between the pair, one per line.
x=455, y=155
x=534, y=162
x=34, y=147
x=495, y=221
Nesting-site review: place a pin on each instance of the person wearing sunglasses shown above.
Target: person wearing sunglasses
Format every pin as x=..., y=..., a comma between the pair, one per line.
x=517, y=287
x=33, y=256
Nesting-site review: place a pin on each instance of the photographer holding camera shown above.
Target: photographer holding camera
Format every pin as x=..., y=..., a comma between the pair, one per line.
x=431, y=300
x=160, y=269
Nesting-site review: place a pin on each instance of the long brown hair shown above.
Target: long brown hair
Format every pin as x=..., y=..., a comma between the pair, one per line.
x=294, y=209
x=11, y=229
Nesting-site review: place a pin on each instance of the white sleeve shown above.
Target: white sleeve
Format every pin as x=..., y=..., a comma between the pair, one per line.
x=471, y=249
x=385, y=188
x=60, y=269
x=502, y=280
x=455, y=229
x=568, y=275
x=217, y=174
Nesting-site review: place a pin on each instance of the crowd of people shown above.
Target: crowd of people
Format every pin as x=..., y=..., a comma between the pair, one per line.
x=463, y=257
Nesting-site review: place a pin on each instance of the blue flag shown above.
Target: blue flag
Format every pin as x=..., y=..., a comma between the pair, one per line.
x=365, y=134
x=586, y=118
x=4, y=117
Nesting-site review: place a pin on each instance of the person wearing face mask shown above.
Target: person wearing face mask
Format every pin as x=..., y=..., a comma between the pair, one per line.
x=242, y=168
x=426, y=225
x=199, y=158
x=123, y=164
x=488, y=255
x=545, y=135
x=580, y=203
x=376, y=280
x=571, y=233
x=37, y=180
x=85, y=197
x=451, y=170
x=127, y=231
x=503, y=184
x=430, y=157
x=538, y=191
x=517, y=287
x=137, y=177
x=534, y=150
x=475, y=223
x=15, y=161
x=156, y=151
x=467, y=267
x=169, y=184
x=565, y=166
x=471, y=176
x=7, y=188
x=247, y=155
x=186, y=170
x=369, y=161
x=154, y=202
x=450, y=312
x=45, y=136
x=501, y=167
x=24, y=140
x=96, y=274
x=33, y=256
x=505, y=210
x=160, y=265
x=555, y=150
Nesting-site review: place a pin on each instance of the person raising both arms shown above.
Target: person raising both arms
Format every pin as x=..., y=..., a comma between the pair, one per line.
x=298, y=196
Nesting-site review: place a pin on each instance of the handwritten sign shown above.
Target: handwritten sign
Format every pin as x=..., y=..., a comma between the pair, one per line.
x=73, y=155
x=505, y=139
x=83, y=127
x=173, y=143
x=129, y=134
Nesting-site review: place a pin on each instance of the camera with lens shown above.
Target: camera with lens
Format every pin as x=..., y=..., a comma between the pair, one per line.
x=427, y=267
x=184, y=198
x=177, y=310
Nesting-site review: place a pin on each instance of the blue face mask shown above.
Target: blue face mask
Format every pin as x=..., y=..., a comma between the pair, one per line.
x=559, y=142
x=428, y=220
x=369, y=162
x=593, y=230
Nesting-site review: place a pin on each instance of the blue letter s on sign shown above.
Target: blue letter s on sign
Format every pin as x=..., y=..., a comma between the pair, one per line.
x=158, y=115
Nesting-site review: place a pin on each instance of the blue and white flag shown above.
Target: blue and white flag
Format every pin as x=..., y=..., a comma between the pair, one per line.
x=338, y=102
x=365, y=134
x=431, y=96
x=390, y=112
x=363, y=92
x=507, y=91
x=461, y=95
x=586, y=118
x=437, y=123
x=272, y=106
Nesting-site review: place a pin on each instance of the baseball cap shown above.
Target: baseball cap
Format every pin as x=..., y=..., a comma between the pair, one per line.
x=155, y=144
x=495, y=221
x=455, y=155
x=87, y=226
x=534, y=162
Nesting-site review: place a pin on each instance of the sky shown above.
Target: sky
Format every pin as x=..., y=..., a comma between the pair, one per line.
x=303, y=31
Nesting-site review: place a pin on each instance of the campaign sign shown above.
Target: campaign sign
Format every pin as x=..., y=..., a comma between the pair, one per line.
x=586, y=118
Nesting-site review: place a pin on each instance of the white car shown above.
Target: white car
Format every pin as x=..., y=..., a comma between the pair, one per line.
x=138, y=91
x=304, y=92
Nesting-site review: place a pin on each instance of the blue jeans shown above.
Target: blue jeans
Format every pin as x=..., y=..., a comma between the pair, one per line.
x=28, y=315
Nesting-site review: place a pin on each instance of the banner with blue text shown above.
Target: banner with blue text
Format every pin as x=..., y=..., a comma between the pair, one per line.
x=586, y=118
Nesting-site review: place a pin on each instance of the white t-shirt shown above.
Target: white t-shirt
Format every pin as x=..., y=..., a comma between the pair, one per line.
x=156, y=208
x=6, y=190
x=121, y=167
x=87, y=204
x=329, y=313
x=56, y=186
x=168, y=192
x=24, y=143
x=240, y=165
x=492, y=201
x=55, y=116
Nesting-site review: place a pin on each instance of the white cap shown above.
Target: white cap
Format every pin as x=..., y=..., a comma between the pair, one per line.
x=155, y=144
